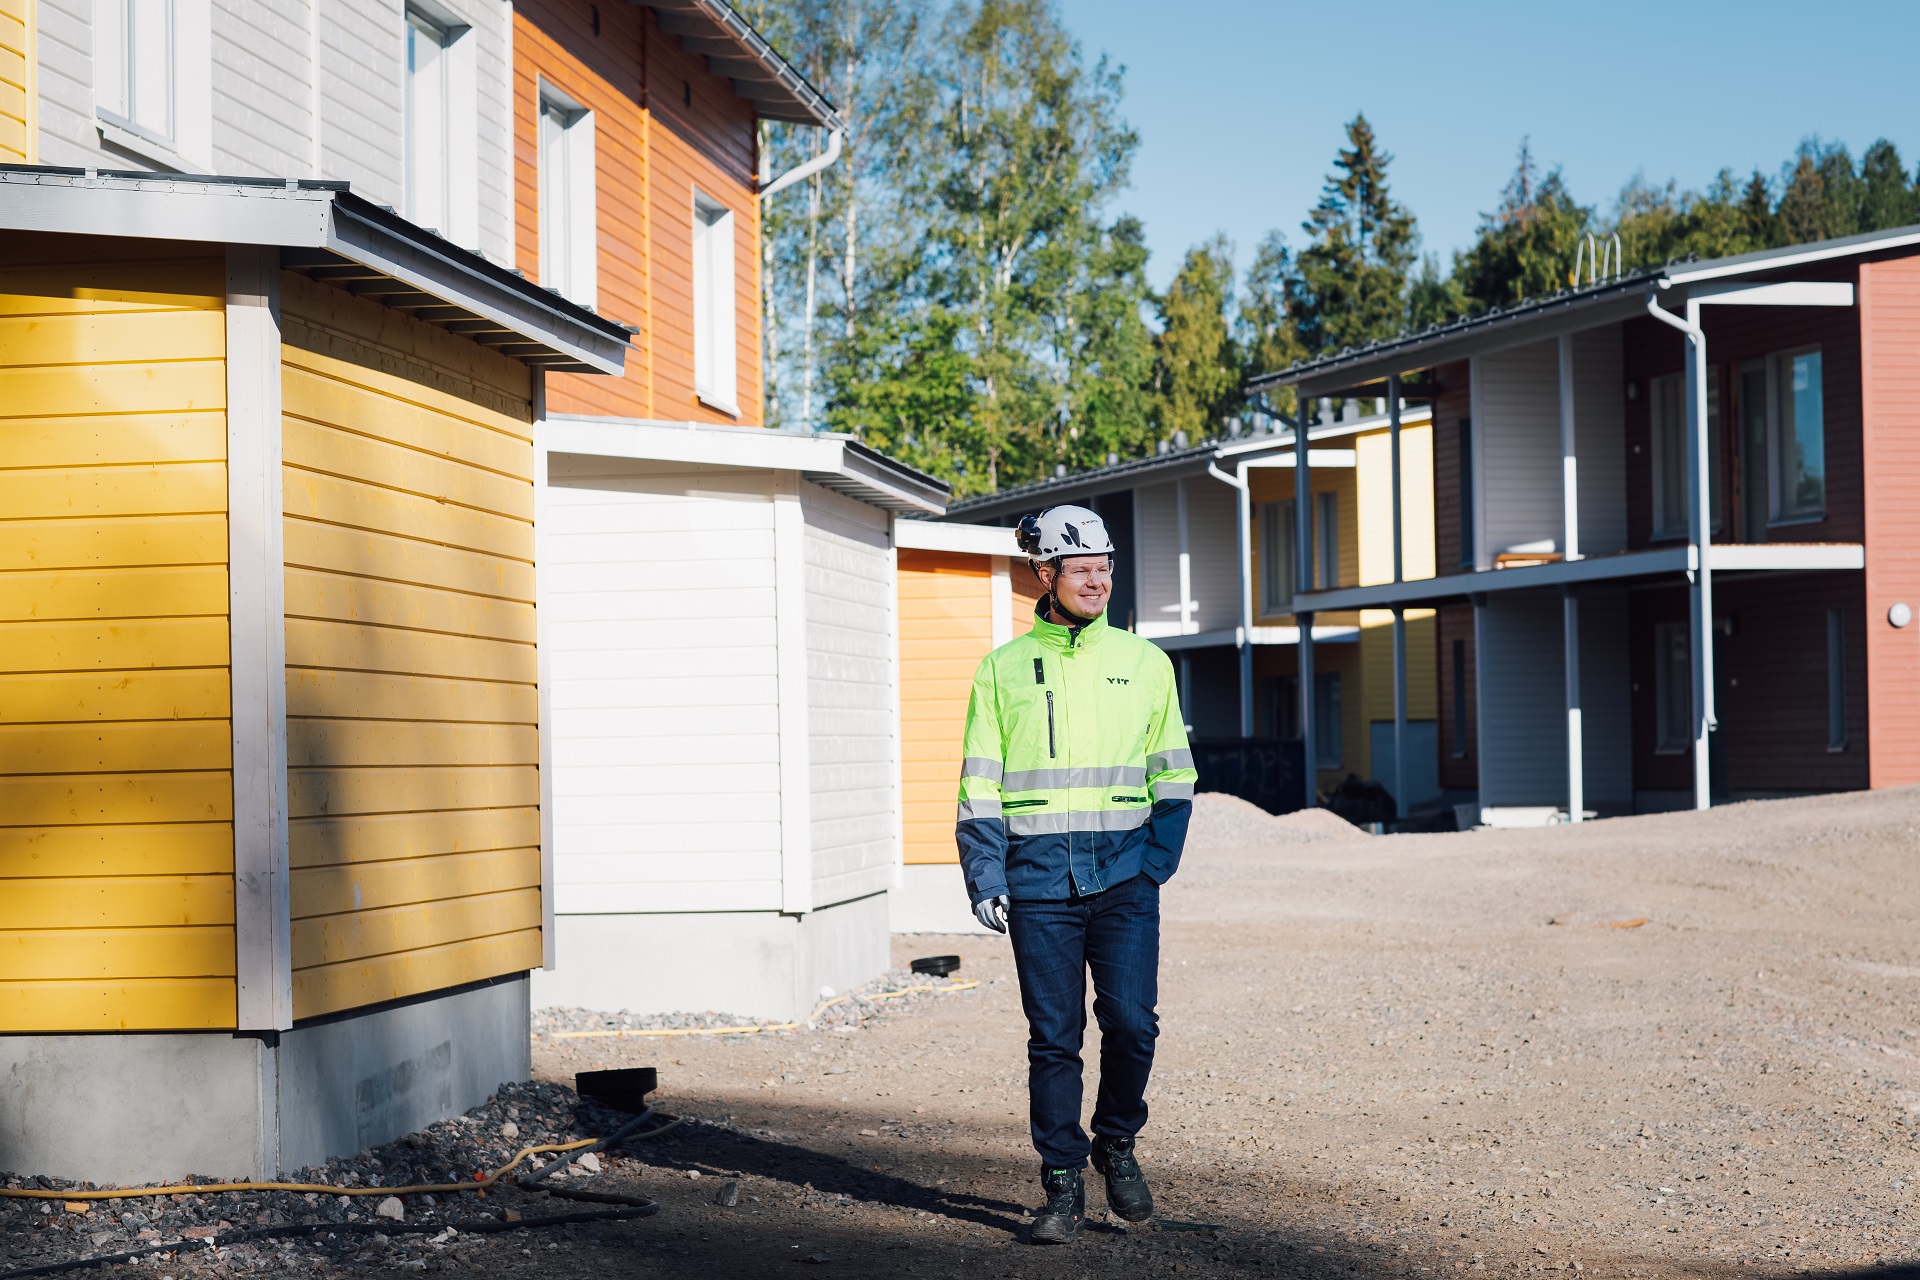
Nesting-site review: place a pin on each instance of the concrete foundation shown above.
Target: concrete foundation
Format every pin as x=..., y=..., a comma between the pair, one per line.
x=759, y=964
x=153, y=1107
x=932, y=898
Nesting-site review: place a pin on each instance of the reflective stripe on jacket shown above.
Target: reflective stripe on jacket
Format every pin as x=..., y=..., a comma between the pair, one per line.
x=1077, y=773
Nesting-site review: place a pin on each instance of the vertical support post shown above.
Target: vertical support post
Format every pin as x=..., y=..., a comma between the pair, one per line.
x=1245, y=638
x=796, y=755
x=1002, y=588
x=1303, y=582
x=898, y=744
x=543, y=678
x=257, y=640
x=1700, y=534
x=1569, y=465
x=1393, y=431
x=1186, y=689
x=1399, y=711
x=1576, y=755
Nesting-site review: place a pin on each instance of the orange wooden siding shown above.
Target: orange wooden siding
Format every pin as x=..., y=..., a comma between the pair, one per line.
x=946, y=627
x=1890, y=425
x=412, y=747
x=116, y=795
x=665, y=126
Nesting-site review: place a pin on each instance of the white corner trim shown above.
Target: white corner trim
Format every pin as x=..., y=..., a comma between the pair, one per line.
x=256, y=601
x=1002, y=600
x=964, y=539
x=790, y=638
x=894, y=692
x=543, y=698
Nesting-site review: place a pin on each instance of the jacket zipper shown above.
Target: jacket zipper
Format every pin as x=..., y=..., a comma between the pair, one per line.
x=1051, y=752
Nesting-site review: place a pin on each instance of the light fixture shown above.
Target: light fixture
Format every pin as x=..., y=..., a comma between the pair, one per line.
x=1900, y=614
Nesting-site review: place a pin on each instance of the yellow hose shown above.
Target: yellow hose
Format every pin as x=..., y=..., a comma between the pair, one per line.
x=747, y=1031
x=190, y=1188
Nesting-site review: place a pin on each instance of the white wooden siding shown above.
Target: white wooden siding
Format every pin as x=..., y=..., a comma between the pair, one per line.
x=1600, y=439
x=659, y=600
x=1213, y=539
x=1522, y=685
x=262, y=88
x=65, y=38
x=1516, y=426
x=1156, y=525
x=851, y=721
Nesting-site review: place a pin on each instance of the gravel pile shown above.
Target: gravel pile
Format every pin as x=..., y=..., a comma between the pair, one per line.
x=862, y=1004
x=1224, y=821
x=35, y=1232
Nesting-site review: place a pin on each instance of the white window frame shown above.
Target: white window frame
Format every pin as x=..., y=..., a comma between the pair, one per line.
x=569, y=223
x=715, y=336
x=440, y=143
x=1667, y=432
x=1672, y=688
x=1779, y=366
x=152, y=81
x=1276, y=557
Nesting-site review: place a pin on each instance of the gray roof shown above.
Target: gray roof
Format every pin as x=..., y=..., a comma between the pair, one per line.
x=734, y=49
x=329, y=233
x=1621, y=294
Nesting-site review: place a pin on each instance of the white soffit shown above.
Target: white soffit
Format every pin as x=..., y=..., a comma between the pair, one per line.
x=965, y=539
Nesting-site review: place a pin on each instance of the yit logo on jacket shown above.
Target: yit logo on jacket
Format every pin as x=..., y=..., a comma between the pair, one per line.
x=1115, y=680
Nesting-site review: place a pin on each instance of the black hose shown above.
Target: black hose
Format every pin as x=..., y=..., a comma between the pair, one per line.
x=477, y=1226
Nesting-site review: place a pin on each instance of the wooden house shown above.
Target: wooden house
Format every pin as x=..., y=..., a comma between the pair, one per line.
x=1673, y=560
x=271, y=826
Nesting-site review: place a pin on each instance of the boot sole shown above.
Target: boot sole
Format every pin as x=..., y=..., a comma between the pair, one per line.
x=1143, y=1214
x=1034, y=1237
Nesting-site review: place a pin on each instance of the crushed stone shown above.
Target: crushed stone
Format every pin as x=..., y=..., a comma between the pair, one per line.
x=847, y=1010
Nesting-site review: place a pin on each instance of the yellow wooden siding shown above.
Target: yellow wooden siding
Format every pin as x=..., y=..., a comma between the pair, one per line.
x=413, y=783
x=946, y=627
x=19, y=92
x=116, y=794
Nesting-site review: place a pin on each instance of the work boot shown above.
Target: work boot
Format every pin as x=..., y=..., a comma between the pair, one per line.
x=1127, y=1193
x=1066, y=1209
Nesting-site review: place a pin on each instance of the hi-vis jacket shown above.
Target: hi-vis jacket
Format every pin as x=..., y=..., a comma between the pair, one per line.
x=1077, y=773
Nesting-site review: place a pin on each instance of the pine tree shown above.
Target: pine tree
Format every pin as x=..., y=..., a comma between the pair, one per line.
x=1527, y=247
x=1886, y=199
x=1196, y=370
x=1351, y=281
x=1264, y=330
x=1757, y=212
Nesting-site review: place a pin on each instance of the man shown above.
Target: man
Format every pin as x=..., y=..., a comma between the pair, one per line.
x=1074, y=800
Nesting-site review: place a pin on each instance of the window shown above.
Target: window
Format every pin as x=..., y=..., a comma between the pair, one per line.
x=713, y=324
x=441, y=188
x=1459, y=699
x=1468, y=555
x=152, y=78
x=1797, y=422
x=1672, y=688
x=568, y=227
x=1276, y=556
x=1326, y=508
x=1669, y=404
x=1326, y=720
x=1836, y=681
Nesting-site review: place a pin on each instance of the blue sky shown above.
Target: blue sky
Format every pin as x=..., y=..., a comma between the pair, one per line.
x=1240, y=104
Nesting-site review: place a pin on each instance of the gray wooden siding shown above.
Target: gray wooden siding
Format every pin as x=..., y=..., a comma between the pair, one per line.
x=852, y=726
x=1523, y=734
x=1156, y=526
x=1516, y=425
x=1213, y=541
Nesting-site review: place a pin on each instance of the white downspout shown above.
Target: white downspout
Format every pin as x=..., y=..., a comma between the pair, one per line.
x=1244, y=639
x=806, y=169
x=1699, y=536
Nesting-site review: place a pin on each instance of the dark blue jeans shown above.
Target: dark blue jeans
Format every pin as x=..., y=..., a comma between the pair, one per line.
x=1116, y=934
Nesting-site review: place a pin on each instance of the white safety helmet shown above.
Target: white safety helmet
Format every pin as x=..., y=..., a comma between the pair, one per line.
x=1063, y=531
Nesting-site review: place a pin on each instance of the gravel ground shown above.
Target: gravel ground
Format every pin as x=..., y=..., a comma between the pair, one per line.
x=1380, y=1056
x=891, y=993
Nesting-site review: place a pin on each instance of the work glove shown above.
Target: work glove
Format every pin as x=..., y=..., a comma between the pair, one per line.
x=992, y=912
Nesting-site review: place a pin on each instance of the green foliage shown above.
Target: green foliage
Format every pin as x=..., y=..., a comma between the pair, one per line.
x=1350, y=284
x=1196, y=379
x=1265, y=332
x=1527, y=246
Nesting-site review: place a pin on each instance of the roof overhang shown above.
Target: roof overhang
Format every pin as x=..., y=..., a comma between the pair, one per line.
x=959, y=539
x=326, y=232
x=1362, y=371
x=832, y=461
x=735, y=50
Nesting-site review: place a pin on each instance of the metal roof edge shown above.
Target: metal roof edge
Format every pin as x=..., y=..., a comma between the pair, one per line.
x=757, y=47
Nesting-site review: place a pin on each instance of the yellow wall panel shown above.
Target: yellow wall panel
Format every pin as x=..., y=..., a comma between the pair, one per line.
x=121, y=695
x=154, y=1004
x=173, y=488
x=124, y=438
x=316, y=793
x=115, y=747
x=344, y=597
x=313, y=692
x=116, y=902
x=88, y=544
x=203, y=951
x=319, y=398
x=117, y=798
x=347, y=985
x=327, y=842
x=332, y=939
x=118, y=593
x=116, y=275
x=332, y=891
x=379, y=555
x=360, y=506
x=115, y=388
x=317, y=447
x=355, y=647
x=88, y=339
x=177, y=849
x=320, y=744
x=130, y=645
